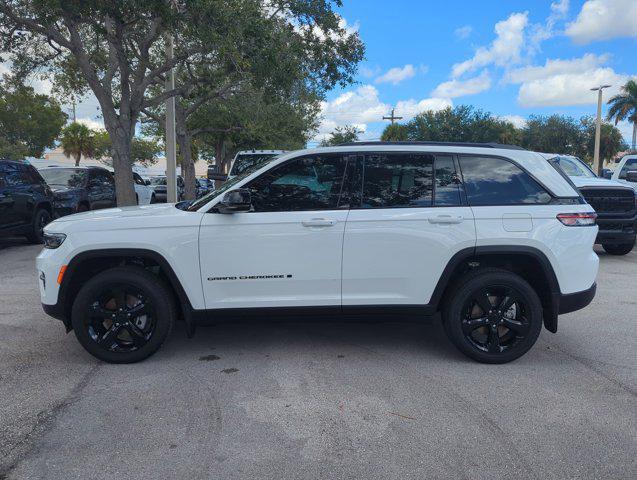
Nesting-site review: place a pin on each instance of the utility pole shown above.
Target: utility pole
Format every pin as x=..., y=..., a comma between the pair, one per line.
x=73, y=103
x=392, y=117
x=171, y=150
x=597, y=163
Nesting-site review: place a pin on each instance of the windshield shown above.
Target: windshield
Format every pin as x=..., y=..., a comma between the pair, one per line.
x=248, y=160
x=64, y=177
x=158, y=180
x=231, y=182
x=574, y=167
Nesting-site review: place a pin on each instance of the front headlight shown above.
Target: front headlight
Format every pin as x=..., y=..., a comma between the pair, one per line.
x=53, y=240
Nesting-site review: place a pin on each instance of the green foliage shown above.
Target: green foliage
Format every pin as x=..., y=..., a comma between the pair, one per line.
x=346, y=134
x=553, y=134
x=144, y=151
x=29, y=122
x=624, y=106
x=458, y=124
x=395, y=132
x=611, y=140
x=77, y=140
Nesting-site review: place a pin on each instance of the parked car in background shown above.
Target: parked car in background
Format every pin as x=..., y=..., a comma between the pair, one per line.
x=144, y=192
x=614, y=203
x=80, y=189
x=628, y=163
x=158, y=184
x=26, y=201
x=204, y=186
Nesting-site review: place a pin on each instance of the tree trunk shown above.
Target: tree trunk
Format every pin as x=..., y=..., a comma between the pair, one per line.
x=79, y=156
x=122, y=164
x=219, y=160
x=184, y=140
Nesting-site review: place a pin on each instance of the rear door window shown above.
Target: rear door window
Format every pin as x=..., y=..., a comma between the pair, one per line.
x=395, y=180
x=496, y=181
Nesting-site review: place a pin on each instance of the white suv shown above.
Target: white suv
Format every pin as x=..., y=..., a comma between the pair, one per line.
x=492, y=236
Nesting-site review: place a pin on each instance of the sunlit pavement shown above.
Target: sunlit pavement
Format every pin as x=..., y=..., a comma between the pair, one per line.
x=326, y=400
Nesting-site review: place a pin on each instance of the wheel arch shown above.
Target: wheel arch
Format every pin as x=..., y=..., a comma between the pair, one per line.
x=86, y=264
x=528, y=262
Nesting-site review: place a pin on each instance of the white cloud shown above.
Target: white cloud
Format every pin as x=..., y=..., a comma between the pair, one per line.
x=604, y=19
x=516, y=120
x=504, y=50
x=569, y=88
x=559, y=11
x=458, y=88
x=551, y=67
x=362, y=106
x=397, y=74
x=564, y=82
x=463, y=32
x=91, y=123
x=368, y=71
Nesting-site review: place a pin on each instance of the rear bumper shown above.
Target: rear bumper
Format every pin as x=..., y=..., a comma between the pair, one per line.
x=572, y=302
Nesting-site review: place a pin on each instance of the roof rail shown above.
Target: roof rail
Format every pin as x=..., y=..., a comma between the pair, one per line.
x=439, y=144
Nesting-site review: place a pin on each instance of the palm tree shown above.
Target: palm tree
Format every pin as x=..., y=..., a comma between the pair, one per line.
x=77, y=140
x=624, y=106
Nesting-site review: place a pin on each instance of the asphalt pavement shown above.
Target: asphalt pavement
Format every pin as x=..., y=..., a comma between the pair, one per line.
x=319, y=400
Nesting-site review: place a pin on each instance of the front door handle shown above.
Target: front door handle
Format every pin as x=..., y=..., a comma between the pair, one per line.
x=446, y=219
x=319, y=222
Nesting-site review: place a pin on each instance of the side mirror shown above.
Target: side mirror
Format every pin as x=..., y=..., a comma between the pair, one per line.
x=631, y=176
x=607, y=173
x=146, y=182
x=236, y=201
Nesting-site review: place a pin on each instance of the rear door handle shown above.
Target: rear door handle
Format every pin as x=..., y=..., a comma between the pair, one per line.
x=446, y=219
x=319, y=222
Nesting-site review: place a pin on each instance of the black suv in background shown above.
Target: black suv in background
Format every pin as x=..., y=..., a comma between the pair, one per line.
x=26, y=202
x=79, y=189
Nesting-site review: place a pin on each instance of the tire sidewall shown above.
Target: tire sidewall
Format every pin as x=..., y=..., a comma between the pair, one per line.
x=454, y=312
x=37, y=235
x=154, y=291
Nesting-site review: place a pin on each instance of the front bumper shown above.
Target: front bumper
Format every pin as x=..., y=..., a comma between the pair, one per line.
x=614, y=230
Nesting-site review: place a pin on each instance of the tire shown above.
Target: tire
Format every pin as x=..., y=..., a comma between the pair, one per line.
x=41, y=218
x=82, y=207
x=136, y=199
x=621, y=249
x=505, y=333
x=152, y=198
x=111, y=326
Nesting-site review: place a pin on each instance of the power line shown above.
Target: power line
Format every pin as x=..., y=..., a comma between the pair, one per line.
x=392, y=117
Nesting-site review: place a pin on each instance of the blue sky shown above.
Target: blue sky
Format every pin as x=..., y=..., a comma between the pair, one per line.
x=512, y=58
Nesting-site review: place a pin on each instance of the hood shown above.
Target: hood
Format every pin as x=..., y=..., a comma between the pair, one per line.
x=595, y=182
x=63, y=190
x=126, y=218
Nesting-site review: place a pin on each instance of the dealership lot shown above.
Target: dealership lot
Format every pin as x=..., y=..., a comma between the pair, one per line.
x=331, y=400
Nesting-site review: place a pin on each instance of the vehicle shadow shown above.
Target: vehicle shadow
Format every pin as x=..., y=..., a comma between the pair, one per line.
x=9, y=242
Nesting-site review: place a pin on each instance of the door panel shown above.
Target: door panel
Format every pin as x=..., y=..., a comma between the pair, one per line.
x=272, y=259
x=396, y=256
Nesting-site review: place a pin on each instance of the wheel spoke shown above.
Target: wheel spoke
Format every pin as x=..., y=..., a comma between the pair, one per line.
x=96, y=310
x=470, y=324
x=506, y=303
x=519, y=327
x=139, y=310
x=109, y=337
x=493, y=341
x=482, y=298
x=138, y=337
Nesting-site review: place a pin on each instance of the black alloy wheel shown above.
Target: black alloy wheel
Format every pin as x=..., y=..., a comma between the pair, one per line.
x=493, y=316
x=40, y=220
x=123, y=315
x=121, y=319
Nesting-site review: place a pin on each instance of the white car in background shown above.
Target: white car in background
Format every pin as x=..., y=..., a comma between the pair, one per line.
x=628, y=163
x=144, y=192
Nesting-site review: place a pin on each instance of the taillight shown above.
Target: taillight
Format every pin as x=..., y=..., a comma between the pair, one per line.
x=577, y=219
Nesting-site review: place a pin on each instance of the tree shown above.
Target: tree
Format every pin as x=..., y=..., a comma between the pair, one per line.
x=143, y=151
x=460, y=124
x=624, y=106
x=553, y=134
x=117, y=49
x=611, y=140
x=395, y=132
x=29, y=122
x=346, y=134
x=78, y=140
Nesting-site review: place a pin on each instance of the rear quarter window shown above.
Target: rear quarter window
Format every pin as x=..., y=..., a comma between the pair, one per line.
x=496, y=181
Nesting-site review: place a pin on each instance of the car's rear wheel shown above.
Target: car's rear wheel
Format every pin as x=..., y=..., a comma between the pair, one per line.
x=82, y=207
x=153, y=199
x=618, y=249
x=40, y=220
x=493, y=316
x=123, y=315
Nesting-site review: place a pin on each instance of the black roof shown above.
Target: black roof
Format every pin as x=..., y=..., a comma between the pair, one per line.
x=438, y=144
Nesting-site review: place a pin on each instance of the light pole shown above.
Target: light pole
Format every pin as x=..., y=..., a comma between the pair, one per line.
x=171, y=150
x=597, y=163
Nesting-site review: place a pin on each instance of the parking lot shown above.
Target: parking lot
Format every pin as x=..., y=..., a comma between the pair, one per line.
x=319, y=400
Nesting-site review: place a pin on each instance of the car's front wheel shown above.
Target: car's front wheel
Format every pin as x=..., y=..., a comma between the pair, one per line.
x=493, y=316
x=40, y=220
x=618, y=249
x=123, y=315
